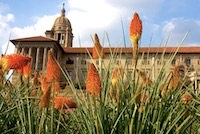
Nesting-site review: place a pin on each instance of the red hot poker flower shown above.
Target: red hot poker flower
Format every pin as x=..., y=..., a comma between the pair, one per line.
x=45, y=86
x=57, y=85
x=64, y=102
x=45, y=99
x=53, y=71
x=27, y=70
x=186, y=97
x=97, y=48
x=93, y=85
x=116, y=76
x=143, y=97
x=14, y=61
x=135, y=29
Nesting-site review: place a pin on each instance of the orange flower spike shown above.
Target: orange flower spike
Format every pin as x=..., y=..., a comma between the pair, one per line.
x=45, y=99
x=135, y=29
x=93, y=85
x=45, y=86
x=14, y=61
x=64, y=102
x=20, y=71
x=143, y=97
x=116, y=76
x=33, y=92
x=145, y=80
x=35, y=79
x=97, y=49
x=27, y=71
x=186, y=97
x=57, y=86
x=53, y=71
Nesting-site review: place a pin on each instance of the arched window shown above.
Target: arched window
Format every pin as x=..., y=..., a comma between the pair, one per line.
x=173, y=62
x=188, y=61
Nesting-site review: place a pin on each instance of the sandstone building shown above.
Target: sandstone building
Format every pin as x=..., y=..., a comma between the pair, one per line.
x=75, y=60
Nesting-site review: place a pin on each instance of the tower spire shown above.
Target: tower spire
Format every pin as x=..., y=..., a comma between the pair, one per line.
x=63, y=10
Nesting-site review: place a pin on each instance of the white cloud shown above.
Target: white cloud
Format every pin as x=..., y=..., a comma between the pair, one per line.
x=38, y=28
x=88, y=17
x=42, y=24
x=178, y=27
x=4, y=29
x=98, y=16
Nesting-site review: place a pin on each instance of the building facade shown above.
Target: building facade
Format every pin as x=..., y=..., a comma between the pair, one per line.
x=74, y=61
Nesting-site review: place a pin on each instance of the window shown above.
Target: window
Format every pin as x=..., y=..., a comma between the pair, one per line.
x=164, y=62
x=173, y=62
x=129, y=61
x=158, y=62
x=118, y=62
x=83, y=62
x=70, y=73
x=148, y=62
x=187, y=61
x=198, y=62
x=84, y=74
x=144, y=61
x=129, y=74
x=69, y=61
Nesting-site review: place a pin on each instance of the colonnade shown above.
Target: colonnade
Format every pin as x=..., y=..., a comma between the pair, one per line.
x=38, y=55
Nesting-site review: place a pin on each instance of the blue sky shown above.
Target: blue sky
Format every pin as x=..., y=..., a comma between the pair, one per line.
x=161, y=18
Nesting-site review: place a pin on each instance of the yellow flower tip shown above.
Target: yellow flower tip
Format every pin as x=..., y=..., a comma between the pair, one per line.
x=93, y=85
x=186, y=98
x=141, y=109
x=116, y=76
x=135, y=29
x=53, y=70
x=64, y=103
x=27, y=71
x=114, y=81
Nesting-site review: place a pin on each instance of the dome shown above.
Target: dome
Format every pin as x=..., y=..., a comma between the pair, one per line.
x=62, y=23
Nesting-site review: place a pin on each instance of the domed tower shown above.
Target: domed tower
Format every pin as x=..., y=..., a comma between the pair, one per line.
x=61, y=30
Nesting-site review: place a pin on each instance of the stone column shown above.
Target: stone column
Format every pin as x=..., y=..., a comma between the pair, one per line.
x=44, y=59
x=22, y=52
x=30, y=54
x=37, y=59
x=77, y=68
x=30, y=51
x=19, y=50
x=52, y=50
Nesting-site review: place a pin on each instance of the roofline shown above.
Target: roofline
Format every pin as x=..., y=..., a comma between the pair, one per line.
x=28, y=39
x=151, y=50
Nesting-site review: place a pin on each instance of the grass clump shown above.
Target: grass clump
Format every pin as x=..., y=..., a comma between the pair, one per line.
x=114, y=101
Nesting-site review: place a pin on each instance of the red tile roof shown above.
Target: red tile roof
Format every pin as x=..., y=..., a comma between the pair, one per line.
x=74, y=50
x=141, y=50
x=34, y=39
